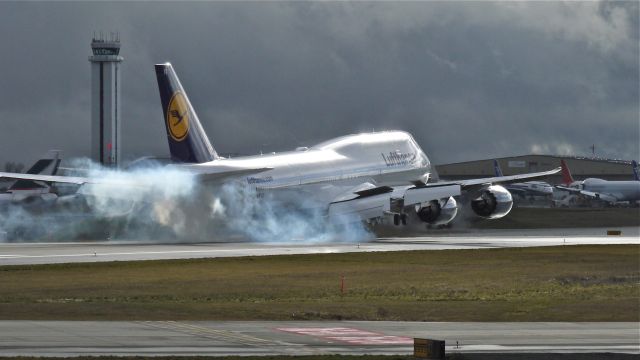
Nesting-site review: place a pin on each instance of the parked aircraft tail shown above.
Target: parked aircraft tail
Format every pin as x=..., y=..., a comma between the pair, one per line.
x=48, y=165
x=634, y=164
x=188, y=143
x=567, y=179
x=496, y=168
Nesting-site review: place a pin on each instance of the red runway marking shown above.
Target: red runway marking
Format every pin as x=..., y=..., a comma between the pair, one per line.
x=350, y=336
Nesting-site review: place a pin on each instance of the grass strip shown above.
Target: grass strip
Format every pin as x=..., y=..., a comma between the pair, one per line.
x=565, y=283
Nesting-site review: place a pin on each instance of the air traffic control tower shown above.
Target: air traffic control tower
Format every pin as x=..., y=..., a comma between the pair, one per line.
x=105, y=100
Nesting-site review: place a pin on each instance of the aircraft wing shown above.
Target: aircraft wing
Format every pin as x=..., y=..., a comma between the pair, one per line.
x=497, y=179
x=591, y=194
x=79, y=180
x=367, y=201
x=201, y=176
x=374, y=202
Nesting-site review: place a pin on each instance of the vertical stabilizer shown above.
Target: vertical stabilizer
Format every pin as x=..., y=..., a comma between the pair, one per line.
x=635, y=170
x=567, y=179
x=496, y=168
x=188, y=142
x=48, y=165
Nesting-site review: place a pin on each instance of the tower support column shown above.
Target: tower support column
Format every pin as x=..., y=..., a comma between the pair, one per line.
x=106, y=104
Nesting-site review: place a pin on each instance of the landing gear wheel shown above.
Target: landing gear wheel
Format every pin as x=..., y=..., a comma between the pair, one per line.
x=403, y=218
x=396, y=219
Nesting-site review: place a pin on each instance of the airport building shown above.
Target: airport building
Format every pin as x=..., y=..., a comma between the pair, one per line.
x=106, y=104
x=581, y=167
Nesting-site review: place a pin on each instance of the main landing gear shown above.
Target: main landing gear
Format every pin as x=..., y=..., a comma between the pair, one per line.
x=399, y=218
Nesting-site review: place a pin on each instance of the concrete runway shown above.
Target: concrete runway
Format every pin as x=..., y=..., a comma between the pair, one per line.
x=144, y=338
x=48, y=253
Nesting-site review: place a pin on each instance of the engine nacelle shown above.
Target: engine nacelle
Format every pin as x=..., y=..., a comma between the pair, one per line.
x=494, y=202
x=438, y=212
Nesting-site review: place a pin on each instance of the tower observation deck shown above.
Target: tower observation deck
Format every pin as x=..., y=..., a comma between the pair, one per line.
x=105, y=100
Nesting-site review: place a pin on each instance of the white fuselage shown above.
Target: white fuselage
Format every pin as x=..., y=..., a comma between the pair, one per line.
x=330, y=168
x=531, y=188
x=621, y=190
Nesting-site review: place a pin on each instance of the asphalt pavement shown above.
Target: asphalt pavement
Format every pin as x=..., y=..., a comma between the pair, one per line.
x=123, y=250
x=145, y=338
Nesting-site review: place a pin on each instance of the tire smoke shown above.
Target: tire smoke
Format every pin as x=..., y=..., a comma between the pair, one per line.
x=157, y=203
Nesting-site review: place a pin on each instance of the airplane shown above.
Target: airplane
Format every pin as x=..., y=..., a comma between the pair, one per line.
x=29, y=190
x=525, y=189
x=370, y=177
x=608, y=191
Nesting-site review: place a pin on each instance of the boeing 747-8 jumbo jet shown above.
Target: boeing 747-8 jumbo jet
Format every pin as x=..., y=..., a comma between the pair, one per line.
x=370, y=175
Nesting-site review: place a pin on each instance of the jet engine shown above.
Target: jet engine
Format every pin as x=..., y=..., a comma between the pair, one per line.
x=437, y=212
x=493, y=202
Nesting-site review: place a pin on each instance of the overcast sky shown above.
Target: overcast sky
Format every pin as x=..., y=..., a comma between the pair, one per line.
x=469, y=80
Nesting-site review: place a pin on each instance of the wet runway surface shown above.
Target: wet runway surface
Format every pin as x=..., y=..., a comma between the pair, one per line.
x=74, y=338
x=48, y=253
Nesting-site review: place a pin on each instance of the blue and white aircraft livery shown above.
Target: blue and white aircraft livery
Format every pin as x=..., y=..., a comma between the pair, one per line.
x=370, y=176
x=525, y=189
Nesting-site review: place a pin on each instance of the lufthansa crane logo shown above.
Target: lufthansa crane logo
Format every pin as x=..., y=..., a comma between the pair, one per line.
x=178, y=117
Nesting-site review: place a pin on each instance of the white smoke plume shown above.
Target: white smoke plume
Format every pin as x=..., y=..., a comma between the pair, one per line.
x=165, y=203
x=282, y=216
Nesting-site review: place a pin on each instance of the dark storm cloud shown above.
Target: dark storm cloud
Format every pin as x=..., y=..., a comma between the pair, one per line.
x=468, y=80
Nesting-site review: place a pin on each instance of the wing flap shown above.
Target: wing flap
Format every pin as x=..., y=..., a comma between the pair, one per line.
x=376, y=202
x=417, y=195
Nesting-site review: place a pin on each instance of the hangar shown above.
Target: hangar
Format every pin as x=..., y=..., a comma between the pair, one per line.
x=581, y=167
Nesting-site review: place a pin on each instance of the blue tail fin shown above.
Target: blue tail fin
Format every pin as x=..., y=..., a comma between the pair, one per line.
x=635, y=170
x=46, y=166
x=188, y=142
x=496, y=168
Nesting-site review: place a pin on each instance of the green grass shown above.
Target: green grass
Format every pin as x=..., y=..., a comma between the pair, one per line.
x=572, y=283
x=544, y=218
